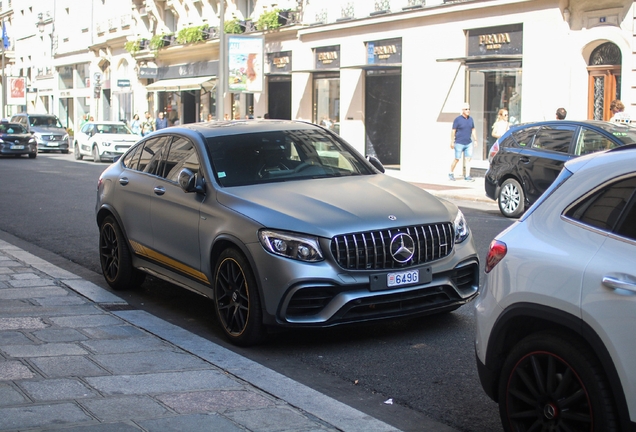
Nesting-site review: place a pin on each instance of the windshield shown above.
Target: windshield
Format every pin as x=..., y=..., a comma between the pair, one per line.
x=113, y=129
x=36, y=120
x=12, y=128
x=267, y=157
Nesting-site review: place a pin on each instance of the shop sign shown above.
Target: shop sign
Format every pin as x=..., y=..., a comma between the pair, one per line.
x=501, y=40
x=123, y=83
x=280, y=62
x=17, y=91
x=385, y=51
x=148, y=72
x=327, y=57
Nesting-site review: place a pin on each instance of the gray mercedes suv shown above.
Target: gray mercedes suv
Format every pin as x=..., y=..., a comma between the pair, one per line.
x=47, y=130
x=280, y=223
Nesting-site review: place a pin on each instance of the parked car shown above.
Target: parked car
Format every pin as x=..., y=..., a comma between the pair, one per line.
x=527, y=159
x=104, y=140
x=16, y=141
x=555, y=339
x=280, y=223
x=47, y=129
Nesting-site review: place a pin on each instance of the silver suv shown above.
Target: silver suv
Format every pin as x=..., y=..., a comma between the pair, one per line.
x=555, y=320
x=47, y=130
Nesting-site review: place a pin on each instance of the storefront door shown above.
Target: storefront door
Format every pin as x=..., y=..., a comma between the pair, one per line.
x=493, y=88
x=279, y=98
x=604, y=83
x=383, y=115
x=327, y=100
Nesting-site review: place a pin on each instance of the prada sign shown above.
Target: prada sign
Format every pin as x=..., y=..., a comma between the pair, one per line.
x=327, y=57
x=384, y=51
x=279, y=62
x=502, y=40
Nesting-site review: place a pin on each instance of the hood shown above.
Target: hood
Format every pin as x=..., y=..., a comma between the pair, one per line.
x=328, y=207
x=52, y=130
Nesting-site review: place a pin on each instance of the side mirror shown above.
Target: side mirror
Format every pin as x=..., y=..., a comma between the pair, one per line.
x=376, y=163
x=188, y=182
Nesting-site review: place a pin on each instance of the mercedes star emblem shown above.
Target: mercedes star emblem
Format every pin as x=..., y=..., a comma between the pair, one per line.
x=402, y=247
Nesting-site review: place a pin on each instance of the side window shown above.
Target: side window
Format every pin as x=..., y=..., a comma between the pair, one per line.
x=152, y=154
x=524, y=137
x=591, y=141
x=131, y=160
x=554, y=138
x=182, y=155
x=604, y=209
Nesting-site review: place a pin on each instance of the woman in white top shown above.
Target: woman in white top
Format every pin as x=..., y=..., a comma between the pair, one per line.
x=501, y=125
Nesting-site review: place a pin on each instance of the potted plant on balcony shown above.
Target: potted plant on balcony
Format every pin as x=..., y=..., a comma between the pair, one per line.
x=268, y=20
x=132, y=46
x=190, y=35
x=159, y=41
x=233, y=26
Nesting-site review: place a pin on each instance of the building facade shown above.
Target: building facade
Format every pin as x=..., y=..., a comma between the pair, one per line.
x=388, y=75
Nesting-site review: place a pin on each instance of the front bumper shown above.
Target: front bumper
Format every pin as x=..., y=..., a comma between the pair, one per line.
x=297, y=294
x=491, y=187
x=53, y=145
x=9, y=149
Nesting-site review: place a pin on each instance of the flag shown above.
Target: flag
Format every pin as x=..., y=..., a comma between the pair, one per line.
x=5, y=37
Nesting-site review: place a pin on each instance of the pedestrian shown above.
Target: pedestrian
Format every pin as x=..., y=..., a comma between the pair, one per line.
x=561, y=113
x=226, y=116
x=161, y=122
x=84, y=120
x=135, y=126
x=463, y=135
x=617, y=109
x=210, y=118
x=148, y=124
x=501, y=126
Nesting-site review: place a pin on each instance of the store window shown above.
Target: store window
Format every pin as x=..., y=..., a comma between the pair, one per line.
x=66, y=77
x=327, y=101
x=83, y=80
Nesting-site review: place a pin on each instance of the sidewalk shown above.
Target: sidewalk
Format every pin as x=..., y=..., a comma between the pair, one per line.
x=72, y=357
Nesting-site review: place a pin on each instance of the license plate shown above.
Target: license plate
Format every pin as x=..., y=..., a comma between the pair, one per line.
x=50, y=144
x=402, y=278
x=17, y=147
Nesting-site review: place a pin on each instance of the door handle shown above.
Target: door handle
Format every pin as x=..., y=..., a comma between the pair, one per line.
x=615, y=283
x=123, y=181
x=159, y=190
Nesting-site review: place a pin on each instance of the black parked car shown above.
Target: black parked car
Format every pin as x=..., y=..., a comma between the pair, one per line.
x=525, y=160
x=16, y=141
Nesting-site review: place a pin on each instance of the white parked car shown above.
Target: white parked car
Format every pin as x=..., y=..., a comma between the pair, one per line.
x=103, y=140
x=555, y=340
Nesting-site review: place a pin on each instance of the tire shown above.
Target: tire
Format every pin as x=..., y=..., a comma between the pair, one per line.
x=76, y=152
x=236, y=300
x=511, y=199
x=33, y=155
x=115, y=257
x=96, y=157
x=64, y=151
x=553, y=383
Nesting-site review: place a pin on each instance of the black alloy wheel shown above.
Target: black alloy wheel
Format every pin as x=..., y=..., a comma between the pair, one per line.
x=236, y=299
x=550, y=383
x=511, y=199
x=76, y=152
x=115, y=257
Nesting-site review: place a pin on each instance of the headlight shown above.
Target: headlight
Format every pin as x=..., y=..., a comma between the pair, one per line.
x=66, y=138
x=32, y=141
x=291, y=245
x=461, y=227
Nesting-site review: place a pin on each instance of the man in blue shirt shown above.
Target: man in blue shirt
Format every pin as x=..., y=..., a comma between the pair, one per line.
x=463, y=136
x=162, y=123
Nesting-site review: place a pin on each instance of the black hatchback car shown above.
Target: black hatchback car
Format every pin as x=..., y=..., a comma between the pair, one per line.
x=16, y=141
x=525, y=160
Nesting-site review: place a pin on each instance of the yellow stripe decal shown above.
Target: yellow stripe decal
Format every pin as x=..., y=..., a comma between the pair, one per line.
x=168, y=262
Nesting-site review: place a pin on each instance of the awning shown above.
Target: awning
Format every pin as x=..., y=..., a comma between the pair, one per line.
x=182, y=84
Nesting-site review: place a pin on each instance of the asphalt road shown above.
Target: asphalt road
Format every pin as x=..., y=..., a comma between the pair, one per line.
x=425, y=366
